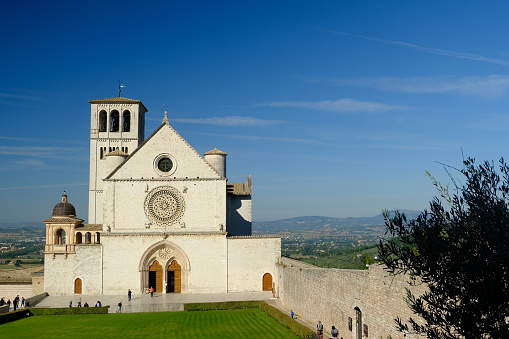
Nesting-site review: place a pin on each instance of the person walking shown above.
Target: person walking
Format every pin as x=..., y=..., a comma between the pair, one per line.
x=79, y=302
x=292, y=314
x=16, y=302
x=22, y=302
x=129, y=293
x=319, y=330
x=334, y=332
x=151, y=291
x=119, y=308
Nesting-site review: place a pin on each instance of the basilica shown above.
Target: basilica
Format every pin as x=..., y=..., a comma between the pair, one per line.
x=160, y=215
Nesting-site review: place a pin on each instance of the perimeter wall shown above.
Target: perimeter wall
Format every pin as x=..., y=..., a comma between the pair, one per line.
x=357, y=302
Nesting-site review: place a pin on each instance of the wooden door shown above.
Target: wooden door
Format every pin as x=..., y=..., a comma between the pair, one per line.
x=267, y=282
x=175, y=268
x=158, y=269
x=77, y=286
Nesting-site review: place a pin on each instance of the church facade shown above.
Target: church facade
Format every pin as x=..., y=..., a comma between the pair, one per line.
x=160, y=215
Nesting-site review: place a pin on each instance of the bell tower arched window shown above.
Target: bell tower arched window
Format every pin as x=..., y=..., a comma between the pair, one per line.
x=114, y=121
x=102, y=121
x=60, y=237
x=126, y=116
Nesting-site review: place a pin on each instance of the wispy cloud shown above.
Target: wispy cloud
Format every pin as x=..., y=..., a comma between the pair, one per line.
x=43, y=186
x=490, y=122
x=231, y=121
x=37, y=151
x=340, y=106
x=438, y=51
x=263, y=138
x=485, y=86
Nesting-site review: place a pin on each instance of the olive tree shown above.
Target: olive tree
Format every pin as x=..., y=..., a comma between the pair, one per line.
x=459, y=250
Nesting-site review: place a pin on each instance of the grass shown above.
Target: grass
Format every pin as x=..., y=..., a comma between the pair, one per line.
x=247, y=323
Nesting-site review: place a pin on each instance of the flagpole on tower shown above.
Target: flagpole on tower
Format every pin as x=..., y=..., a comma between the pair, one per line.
x=120, y=86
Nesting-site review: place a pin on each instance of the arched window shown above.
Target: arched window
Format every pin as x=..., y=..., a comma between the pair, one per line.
x=114, y=121
x=358, y=323
x=102, y=121
x=97, y=237
x=88, y=238
x=127, y=121
x=60, y=237
x=79, y=238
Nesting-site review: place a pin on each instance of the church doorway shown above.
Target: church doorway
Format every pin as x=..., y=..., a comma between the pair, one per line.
x=155, y=276
x=267, y=282
x=174, y=278
x=77, y=286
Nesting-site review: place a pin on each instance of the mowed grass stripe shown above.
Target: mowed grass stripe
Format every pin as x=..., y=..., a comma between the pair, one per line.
x=249, y=323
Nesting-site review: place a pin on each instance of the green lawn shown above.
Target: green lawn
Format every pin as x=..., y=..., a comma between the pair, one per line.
x=248, y=323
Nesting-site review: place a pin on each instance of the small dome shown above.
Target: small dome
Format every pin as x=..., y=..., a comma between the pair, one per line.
x=64, y=209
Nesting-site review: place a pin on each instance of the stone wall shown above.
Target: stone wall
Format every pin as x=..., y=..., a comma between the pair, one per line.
x=249, y=258
x=334, y=295
x=10, y=291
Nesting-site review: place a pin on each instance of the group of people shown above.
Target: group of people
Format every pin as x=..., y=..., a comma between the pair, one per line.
x=97, y=304
x=16, y=303
x=319, y=331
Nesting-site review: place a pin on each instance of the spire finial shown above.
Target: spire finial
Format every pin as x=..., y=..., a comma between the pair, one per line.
x=165, y=119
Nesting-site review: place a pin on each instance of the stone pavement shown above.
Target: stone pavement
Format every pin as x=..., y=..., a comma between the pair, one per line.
x=161, y=302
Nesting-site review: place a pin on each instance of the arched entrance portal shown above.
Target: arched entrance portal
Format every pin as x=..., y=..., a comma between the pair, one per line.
x=267, y=282
x=155, y=276
x=165, y=267
x=174, y=278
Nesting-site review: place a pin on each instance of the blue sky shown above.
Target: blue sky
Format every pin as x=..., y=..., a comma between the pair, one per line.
x=336, y=108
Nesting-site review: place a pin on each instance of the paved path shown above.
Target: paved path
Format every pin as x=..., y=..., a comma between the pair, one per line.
x=161, y=302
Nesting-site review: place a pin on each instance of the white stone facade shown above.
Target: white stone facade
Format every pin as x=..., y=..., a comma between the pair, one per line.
x=160, y=215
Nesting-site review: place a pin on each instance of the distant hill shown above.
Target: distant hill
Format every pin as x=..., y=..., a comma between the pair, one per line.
x=320, y=225
x=21, y=225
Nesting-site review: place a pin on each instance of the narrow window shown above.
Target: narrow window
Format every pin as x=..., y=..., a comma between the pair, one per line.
x=79, y=238
x=102, y=154
x=97, y=238
x=114, y=121
x=102, y=121
x=127, y=121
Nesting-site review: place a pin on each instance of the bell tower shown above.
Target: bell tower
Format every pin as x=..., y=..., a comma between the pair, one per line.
x=117, y=124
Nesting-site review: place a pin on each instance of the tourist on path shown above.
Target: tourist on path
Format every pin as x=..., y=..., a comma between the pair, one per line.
x=334, y=332
x=119, y=308
x=16, y=302
x=129, y=293
x=2, y=302
x=9, y=303
x=151, y=291
x=22, y=302
x=292, y=314
x=319, y=330
x=85, y=304
x=79, y=302
x=70, y=303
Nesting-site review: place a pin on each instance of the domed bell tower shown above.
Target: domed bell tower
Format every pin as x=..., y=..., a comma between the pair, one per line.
x=117, y=124
x=60, y=229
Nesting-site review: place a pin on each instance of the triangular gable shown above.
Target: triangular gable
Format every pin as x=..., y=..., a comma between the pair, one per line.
x=165, y=140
